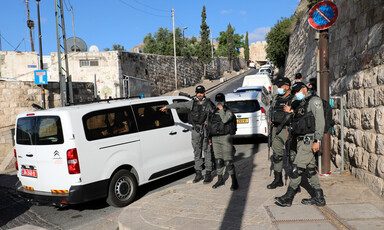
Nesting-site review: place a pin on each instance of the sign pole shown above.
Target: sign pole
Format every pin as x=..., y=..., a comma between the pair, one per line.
x=41, y=54
x=324, y=92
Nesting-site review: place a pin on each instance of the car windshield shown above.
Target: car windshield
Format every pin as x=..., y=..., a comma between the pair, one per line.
x=244, y=106
x=249, y=90
x=265, y=70
x=41, y=130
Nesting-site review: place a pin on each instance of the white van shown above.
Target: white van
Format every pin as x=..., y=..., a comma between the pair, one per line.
x=75, y=154
x=250, y=110
x=258, y=80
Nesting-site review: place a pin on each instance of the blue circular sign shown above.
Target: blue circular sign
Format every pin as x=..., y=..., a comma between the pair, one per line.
x=323, y=15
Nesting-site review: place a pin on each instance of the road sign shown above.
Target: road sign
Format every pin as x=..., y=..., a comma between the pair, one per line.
x=323, y=15
x=41, y=77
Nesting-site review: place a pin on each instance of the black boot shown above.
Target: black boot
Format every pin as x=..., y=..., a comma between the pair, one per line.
x=286, y=199
x=219, y=182
x=277, y=182
x=208, y=177
x=235, y=184
x=198, y=177
x=318, y=199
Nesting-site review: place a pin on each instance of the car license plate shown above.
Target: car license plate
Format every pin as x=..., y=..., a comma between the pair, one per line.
x=242, y=120
x=29, y=172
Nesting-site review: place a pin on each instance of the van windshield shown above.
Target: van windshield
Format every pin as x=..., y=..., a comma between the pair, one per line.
x=41, y=130
x=244, y=106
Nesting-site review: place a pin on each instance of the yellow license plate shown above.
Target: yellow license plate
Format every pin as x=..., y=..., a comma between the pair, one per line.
x=242, y=120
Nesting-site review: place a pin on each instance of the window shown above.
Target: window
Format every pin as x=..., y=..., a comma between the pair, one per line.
x=89, y=63
x=182, y=113
x=109, y=123
x=149, y=116
x=244, y=106
x=42, y=130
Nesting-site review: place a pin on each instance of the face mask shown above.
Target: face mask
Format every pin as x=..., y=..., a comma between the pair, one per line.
x=222, y=103
x=280, y=91
x=310, y=91
x=300, y=96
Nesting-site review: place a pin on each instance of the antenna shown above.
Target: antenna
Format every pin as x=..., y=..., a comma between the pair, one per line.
x=76, y=44
x=93, y=48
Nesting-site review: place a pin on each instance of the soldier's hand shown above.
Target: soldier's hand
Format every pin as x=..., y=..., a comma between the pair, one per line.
x=219, y=106
x=315, y=147
x=288, y=109
x=163, y=109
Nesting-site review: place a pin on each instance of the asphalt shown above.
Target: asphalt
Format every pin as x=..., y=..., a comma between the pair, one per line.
x=350, y=204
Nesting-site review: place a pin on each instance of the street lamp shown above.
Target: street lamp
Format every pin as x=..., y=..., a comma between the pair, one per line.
x=184, y=28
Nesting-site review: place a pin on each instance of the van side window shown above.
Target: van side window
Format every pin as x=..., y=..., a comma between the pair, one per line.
x=182, y=113
x=109, y=123
x=149, y=116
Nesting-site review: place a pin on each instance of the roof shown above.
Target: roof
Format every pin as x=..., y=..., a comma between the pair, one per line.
x=242, y=96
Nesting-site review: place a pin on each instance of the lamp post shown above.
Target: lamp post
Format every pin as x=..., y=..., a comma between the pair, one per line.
x=184, y=28
x=41, y=54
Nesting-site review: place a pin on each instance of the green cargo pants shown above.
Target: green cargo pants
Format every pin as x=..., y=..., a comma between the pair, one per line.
x=278, y=146
x=222, y=148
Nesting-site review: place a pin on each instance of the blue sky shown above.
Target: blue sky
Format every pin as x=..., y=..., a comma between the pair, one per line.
x=127, y=22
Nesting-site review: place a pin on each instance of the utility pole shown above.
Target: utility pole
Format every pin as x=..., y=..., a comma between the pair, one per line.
x=30, y=25
x=174, y=46
x=324, y=92
x=73, y=26
x=41, y=53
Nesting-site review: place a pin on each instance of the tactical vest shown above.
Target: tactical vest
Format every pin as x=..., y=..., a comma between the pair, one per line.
x=278, y=115
x=218, y=128
x=303, y=121
x=199, y=112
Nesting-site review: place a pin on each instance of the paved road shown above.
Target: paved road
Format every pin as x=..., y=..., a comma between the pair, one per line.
x=14, y=211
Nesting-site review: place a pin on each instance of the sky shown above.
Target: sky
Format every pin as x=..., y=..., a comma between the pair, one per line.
x=126, y=22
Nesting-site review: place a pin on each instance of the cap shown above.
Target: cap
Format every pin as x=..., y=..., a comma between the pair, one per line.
x=220, y=97
x=200, y=89
x=282, y=81
x=298, y=76
x=297, y=87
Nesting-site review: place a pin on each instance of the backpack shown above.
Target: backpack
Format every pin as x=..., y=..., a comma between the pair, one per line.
x=328, y=121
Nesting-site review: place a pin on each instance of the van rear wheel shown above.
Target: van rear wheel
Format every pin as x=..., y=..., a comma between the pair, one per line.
x=122, y=189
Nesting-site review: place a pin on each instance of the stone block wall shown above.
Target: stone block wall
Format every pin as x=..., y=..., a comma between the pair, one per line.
x=18, y=97
x=356, y=51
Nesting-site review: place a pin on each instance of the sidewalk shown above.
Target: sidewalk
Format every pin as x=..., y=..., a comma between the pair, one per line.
x=350, y=205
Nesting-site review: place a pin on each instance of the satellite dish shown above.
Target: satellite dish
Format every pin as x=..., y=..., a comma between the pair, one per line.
x=93, y=48
x=80, y=45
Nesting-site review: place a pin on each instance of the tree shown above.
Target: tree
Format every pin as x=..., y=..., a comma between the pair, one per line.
x=246, y=48
x=162, y=42
x=115, y=47
x=222, y=49
x=278, y=41
x=204, y=48
x=230, y=46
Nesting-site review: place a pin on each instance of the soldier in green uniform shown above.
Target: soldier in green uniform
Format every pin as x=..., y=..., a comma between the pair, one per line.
x=279, y=120
x=200, y=109
x=221, y=129
x=308, y=126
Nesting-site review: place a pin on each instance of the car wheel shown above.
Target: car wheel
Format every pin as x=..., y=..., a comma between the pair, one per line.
x=122, y=189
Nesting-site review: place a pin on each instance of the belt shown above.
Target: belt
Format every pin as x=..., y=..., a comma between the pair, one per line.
x=305, y=138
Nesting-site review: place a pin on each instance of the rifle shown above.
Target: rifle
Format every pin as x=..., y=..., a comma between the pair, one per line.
x=270, y=145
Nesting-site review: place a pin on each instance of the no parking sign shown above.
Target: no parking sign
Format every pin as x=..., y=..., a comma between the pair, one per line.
x=323, y=15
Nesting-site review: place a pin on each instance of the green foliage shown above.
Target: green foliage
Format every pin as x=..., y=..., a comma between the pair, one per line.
x=222, y=50
x=311, y=3
x=230, y=43
x=278, y=41
x=204, y=54
x=115, y=46
x=246, y=48
x=162, y=42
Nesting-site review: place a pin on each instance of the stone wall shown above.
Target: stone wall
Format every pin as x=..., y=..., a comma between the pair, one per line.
x=356, y=51
x=17, y=97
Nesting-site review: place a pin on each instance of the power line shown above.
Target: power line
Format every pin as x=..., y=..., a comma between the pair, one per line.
x=142, y=10
x=66, y=5
x=7, y=41
x=150, y=6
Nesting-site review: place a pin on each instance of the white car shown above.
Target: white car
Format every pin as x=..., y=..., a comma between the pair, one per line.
x=252, y=65
x=80, y=153
x=250, y=110
x=258, y=80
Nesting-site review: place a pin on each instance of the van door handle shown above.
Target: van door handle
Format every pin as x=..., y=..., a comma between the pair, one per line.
x=172, y=133
x=29, y=155
x=185, y=130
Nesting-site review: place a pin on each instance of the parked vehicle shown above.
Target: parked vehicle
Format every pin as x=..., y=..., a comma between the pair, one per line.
x=258, y=80
x=80, y=153
x=252, y=65
x=250, y=111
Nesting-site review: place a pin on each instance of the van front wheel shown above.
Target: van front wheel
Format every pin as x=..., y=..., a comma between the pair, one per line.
x=122, y=189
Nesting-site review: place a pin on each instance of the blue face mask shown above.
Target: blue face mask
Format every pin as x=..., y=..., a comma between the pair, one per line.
x=300, y=96
x=310, y=91
x=222, y=103
x=280, y=91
